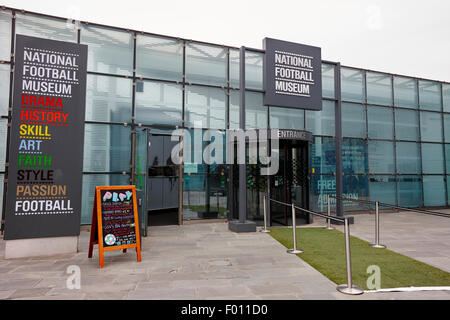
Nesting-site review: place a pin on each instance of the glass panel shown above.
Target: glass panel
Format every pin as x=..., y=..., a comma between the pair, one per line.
x=447, y=127
x=405, y=92
x=3, y=136
x=234, y=68
x=4, y=88
x=381, y=157
x=2, y=179
x=254, y=70
x=447, y=157
x=448, y=190
x=406, y=124
x=321, y=186
x=255, y=111
x=408, y=157
x=106, y=148
x=108, y=99
x=430, y=95
x=159, y=58
x=109, y=51
x=431, y=126
x=321, y=122
x=354, y=156
x=234, y=109
x=5, y=35
x=323, y=155
x=90, y=181
x=159, y=103
x=410, y=191
x=446, y=96
x=47, y=28
x=434, y=191
x=355, y=187
x=432, y=158
x=352, y=85
x=328, y=80
x=379, y=88
x=287, y=118
x=206, y=64
x=383, y=189
x=353, y=120
x=381, y=122
x=205, y=107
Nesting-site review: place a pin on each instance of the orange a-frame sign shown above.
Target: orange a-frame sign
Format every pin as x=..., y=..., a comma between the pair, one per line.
x=115, y=222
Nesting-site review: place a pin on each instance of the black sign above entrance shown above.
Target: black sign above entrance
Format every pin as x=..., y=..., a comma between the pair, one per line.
x=292, y=75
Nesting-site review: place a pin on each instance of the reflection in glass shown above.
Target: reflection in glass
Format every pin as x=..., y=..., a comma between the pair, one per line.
x=3, y=134
x=379, y=88
x=254, y=70
x=5, y=35
x=410, y=191
x=255, y=112
x=408, y=157
x=206, y=64
x=109, y=51
x=352, y=85
x=447, y=127
x=381, y=122
x=90, y=181
x=355, y=187
x=434, y=191
x=354, y=156
x=446, y=96
x=321, y=122
x=353, y=120
x=205, y=107
x=286, y=118
x=406, y=124
x=381, y=157
x=430, y=95
x=405, y=92
x=234, y=68
x=383, y=189
x=45, y=27
x=107, y=148
x=328, y=80
x=4, y=88
x=323, y=155
x=431, y=126
x=108, y=99
x=159, y=58
x=159, y=103
x=432, y=158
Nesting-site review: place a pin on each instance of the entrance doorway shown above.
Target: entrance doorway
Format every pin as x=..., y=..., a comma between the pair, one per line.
x=163, y=183
x=291, y=183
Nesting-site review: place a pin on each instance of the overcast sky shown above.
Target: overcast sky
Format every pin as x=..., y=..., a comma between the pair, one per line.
x=403, y=36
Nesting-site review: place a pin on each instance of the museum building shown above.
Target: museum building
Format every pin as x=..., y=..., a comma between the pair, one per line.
x=142, y=86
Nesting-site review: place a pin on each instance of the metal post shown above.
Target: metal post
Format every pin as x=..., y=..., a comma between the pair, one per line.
x=348, y=288
x=377, y=228
x=294, y=229
x=265, y=215
x=329, y=227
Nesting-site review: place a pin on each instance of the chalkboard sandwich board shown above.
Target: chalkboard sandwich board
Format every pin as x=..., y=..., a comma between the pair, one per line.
x=115, y=223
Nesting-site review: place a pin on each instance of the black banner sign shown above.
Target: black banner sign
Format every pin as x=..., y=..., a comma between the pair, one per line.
x=292, y=75
x=47, y=133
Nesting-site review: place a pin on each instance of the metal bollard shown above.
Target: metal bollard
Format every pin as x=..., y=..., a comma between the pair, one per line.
x=265, y=216
x=377, y=229
x=294, y=229
x=329, y=227
x=348, y=288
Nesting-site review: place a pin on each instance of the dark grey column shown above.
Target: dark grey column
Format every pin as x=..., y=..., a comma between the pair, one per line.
x=338, y=134
x=242, y=225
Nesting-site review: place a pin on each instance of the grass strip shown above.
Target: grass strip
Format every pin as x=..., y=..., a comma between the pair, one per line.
x=324, y=250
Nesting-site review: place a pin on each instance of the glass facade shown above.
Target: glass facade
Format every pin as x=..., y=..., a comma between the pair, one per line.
x=396, y=145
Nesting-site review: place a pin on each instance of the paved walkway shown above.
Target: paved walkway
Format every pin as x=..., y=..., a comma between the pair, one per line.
x=199, y=261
